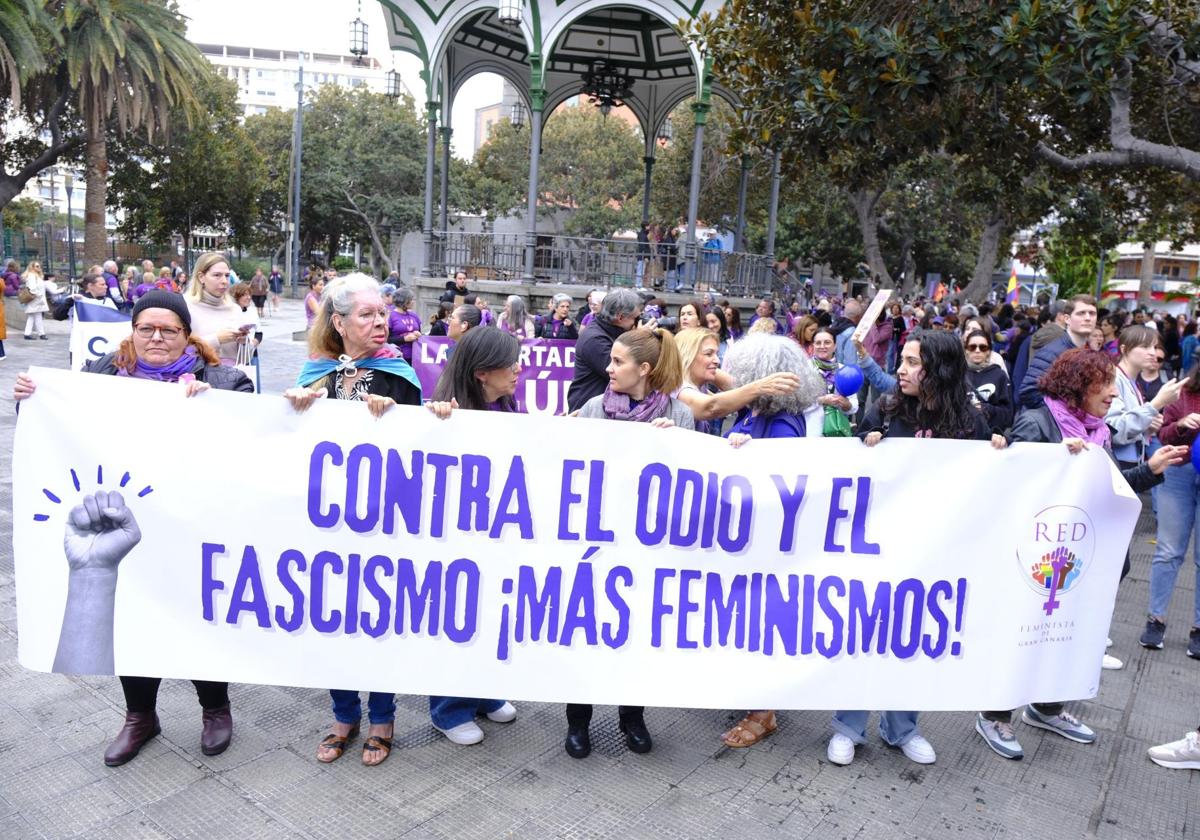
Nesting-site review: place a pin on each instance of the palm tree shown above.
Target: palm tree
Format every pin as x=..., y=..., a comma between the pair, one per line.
x=21, y=21
x=132, y=64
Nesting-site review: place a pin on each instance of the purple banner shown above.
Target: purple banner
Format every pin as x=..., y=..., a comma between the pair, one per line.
x=547, y=366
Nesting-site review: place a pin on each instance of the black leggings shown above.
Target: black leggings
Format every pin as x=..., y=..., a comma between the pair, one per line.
x=141, y=693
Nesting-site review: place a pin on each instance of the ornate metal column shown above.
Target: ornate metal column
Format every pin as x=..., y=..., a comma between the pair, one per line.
x=537, y=103
x=691, y=251
x=649, y=161
x=431, y=111
x=447, y=132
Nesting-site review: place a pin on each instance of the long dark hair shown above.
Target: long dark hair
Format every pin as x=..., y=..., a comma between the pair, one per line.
x=487, y=348
x=941, y=403
x=719, y=313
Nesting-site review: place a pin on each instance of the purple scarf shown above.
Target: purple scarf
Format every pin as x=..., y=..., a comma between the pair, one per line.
x=617, y=407
x=1076, y=423
x=186, y=363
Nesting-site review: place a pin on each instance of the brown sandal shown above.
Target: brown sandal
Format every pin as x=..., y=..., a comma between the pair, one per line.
x=749, y=731
x=335, y=744
x=375, y=744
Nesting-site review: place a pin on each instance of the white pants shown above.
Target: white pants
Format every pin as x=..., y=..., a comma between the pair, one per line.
x=34, y=321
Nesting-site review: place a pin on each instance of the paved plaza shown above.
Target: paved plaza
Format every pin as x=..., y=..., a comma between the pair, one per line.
x=519, y=783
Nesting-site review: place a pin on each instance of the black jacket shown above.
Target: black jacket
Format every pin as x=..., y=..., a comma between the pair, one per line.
x=1029, y=395
x=895, y=426
x=993, y=394
x=1036, y=425
x=592, y=353
x=221, y=377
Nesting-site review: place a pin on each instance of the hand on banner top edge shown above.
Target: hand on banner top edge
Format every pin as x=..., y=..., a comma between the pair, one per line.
x=302, y=398
x=378, y=404
x=737, y=439
x=999, y=442
x=873, y=438
x=1075, y=445
x=441, y=410
x=194, y=386
x=24, y=387
x=662, y=423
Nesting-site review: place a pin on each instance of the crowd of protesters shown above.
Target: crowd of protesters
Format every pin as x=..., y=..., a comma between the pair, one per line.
x=1057, y=372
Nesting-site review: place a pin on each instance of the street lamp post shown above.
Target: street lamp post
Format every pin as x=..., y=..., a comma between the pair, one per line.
x=69, y=183
x=297, y=146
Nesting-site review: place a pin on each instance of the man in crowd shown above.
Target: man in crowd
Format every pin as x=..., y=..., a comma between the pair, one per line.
x=1080, y=321
x=766, y=309
x=113, y=281
x=619, y=312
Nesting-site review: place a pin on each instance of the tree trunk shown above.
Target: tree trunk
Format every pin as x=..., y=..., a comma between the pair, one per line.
x=985, y=264
x=908, y=265
x=1146, y=275
x=96, y=172
x=865, y=202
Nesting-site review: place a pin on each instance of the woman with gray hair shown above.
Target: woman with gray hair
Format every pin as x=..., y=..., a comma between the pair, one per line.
x=515, y=318
x=559, y=324
x=404, y=325
x=794, y=414
x=352, y=360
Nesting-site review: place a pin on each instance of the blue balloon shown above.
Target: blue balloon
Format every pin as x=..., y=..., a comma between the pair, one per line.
x=848, y=380
x=1196, y=455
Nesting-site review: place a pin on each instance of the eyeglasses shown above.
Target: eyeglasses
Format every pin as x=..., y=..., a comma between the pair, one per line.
x=978, y=348
x=167, y=333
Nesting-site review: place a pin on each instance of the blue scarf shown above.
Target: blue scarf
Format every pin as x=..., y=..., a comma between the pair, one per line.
x=315, y=369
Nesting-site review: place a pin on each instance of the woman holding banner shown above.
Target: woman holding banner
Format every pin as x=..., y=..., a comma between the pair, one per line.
x=1078, y=390
x=481, y=375
x=791, y=413
x=352, y=360
x=644, y=369
x=161, y=348
x=931, y=402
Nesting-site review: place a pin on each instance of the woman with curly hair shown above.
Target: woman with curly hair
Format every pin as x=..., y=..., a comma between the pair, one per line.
x=1078, y=390
x=931, y=402
x=790, y=413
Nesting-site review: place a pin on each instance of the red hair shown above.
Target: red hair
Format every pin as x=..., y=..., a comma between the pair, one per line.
x=1075, y=373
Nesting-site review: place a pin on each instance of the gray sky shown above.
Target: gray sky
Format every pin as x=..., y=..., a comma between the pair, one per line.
x=324, y=26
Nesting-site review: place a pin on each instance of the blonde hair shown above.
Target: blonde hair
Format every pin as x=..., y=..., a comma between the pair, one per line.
x=764, y=325
x=689, y=342
x=195, y=290
x=656, y=348
x=34, y=268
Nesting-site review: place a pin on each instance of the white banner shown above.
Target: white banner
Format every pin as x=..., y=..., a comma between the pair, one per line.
x=556, y=559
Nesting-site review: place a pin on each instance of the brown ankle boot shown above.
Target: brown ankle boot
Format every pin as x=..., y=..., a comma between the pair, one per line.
x=218, y=730
x=139, y=728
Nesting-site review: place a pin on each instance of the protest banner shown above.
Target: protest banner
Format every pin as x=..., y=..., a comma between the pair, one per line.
x=547, y=367
x=872, y=314
x=95, y=331
x=556, y=559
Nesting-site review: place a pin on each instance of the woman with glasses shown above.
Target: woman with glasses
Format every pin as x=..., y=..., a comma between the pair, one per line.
x=162, y=348
x=352, y=360
x=990, y=388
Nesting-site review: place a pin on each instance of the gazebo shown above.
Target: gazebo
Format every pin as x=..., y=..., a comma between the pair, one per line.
x=551, y=51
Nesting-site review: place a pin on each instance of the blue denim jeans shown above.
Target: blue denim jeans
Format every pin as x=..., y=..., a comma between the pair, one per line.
x=347, y=706
x=1177, y=518
x=895, y=728
x=449, y=712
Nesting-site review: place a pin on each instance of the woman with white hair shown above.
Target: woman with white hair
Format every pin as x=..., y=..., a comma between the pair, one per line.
x=515, y=318
x=793, y=414
x=404, y=325
x=352, y=360
x=560, y=324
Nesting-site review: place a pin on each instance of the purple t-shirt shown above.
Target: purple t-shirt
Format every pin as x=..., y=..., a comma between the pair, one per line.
x=399, y=324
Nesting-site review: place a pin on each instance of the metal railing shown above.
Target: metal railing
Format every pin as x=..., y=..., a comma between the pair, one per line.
x=599, y=262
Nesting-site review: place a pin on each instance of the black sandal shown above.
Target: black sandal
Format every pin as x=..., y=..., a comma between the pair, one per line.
x=374, y=744
x=335, y=743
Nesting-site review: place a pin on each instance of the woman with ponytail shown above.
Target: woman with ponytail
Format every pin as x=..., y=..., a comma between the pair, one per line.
x=644, y=369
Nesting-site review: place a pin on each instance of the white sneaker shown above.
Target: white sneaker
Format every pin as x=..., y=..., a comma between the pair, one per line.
x=1111, y=663
x=464, y=734
x=505, y=714
x=1108, y=644
x=1183, y=754
x=919, y=750
x=840, y=749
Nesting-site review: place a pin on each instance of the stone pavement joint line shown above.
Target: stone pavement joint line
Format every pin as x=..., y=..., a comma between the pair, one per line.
x=520, y=784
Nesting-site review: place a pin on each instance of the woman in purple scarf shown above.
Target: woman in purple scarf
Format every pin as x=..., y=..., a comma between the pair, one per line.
x=1078, y=390
x=161, y=348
